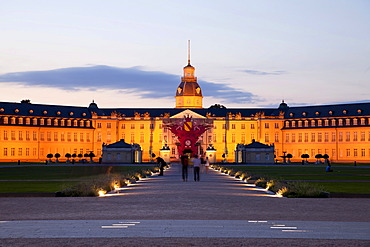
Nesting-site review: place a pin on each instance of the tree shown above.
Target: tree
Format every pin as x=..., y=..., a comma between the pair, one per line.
x=217, y=106
x=74, y=155
x=326, y=157
x=289, y=156
x=49, y=156
x=79, y=156
x=91, y=155
x=57, y=156
x=318, y=157
x=68, y=156
x=26, y=101
x=305, y=156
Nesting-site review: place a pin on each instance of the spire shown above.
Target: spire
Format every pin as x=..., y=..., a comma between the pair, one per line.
x=188, y=52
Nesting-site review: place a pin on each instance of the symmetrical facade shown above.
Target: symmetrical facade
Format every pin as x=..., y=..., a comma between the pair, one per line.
x=28, y=132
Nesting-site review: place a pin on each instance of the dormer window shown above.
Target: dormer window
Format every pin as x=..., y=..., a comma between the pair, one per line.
x=304, y=113
x=287, y=124
x=30, y=111
x=45, y=112
x=291, y=114
x=355, y=121
x=313, y=123
x=58, y=113
x=333, y=122
x=331, y=112
x=16, y=110
x=317, y=113
x=2, y=109
x=71, y=113
x=359, y=111
x=344, y=111
x=340, y=122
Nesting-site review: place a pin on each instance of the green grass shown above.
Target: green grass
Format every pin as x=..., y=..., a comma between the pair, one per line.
x=329, y=181
x=54, y=172
x=33, y=187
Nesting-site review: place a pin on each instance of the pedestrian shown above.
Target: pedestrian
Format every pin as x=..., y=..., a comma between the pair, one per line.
x=196, y=164
x=207, y=165
x=161, y=164
x=185, y=164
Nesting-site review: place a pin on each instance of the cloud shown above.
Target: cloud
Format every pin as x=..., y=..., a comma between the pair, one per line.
x=256, y=72
x=147, y=84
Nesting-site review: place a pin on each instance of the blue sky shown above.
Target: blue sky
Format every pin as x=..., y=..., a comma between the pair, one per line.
x=131, y=53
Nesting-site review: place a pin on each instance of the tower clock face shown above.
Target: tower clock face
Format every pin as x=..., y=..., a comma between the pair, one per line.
x=187, y=142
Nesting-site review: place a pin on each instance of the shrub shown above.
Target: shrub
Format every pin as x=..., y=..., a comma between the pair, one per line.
x=261, y=182
x=303, y=189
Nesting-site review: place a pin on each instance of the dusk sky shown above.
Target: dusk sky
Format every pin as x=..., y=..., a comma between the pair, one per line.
x=124, y=53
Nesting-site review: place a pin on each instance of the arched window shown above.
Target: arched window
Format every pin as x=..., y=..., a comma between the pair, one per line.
x=340, y=122
x=333, y=122
x=313, y=123
x=48, y=121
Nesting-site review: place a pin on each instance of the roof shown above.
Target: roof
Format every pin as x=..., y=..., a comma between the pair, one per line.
x=39, y=110
x=257, y=145
x=120, y=144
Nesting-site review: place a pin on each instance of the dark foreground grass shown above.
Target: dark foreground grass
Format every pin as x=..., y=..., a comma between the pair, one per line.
x=342, y=180
x=83, y=173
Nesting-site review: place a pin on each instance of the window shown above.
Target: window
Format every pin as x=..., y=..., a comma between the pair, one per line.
x=48, y=136
x=12, y=151
x=88, y=137
x=319, y=123
x=333, y=137
x=267, y=138
x=20, y=135
x=98, y=137
x=243, y=138
x=299, y=137
x=340, y=122
x=363, y=152
x=333, y=122
x=363, y=136
x=81, y=137
x=75, y=137
x=348, y=136
x=362, y=121
x=68, y=122
x=34, y=136
x=277, y=126
x=75, y=124
x=326, y=122
x=293, y=124
x=287, y=124
x=287, y=137
x=28, y=121
x=55, y=136
x=132, y=138
x=48, y=121
x=313, y=137
x=5, y=152
x=305, y=137
x=319, y=137
x=223, y=126
x=69, y=136
x=326, y=137
x=355, y=152
x=27, y=135
x=243, y=126
x=348, y=152
x=267, y=125
x=333, y=153
x=355, y=136
x=355, y=121
x=20, y=152
x=142, y=138
x=214, y=138
x=313, y=123
x=123, y=126
x=109, y=137
x=233, y=126
x=141, y=126
x=293, y=137
x=34, y=151
x=62, y=136
x=233, y=138
x=12, y=135
x=109, y=125
x=173, y=151
x=252, y=126
x=348, y=121
x=224, y=138
x=99, y=125
x=299, y=123
x=132, y=126
x=55, y=122
x=276, y=137
x=340, y=136
x=306, y=123
x=5, y=135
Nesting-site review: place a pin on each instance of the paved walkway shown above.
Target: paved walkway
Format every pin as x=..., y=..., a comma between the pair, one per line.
x=217, y=207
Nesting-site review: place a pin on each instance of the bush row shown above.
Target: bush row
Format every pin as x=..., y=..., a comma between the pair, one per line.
x=280, y=187
x=105, y=183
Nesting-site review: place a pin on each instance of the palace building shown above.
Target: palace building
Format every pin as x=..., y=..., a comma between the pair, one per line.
x=28, y=132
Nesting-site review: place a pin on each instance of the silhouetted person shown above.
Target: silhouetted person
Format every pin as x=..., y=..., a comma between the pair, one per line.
x=196, y=164
x=185, y=165
x=161, y=164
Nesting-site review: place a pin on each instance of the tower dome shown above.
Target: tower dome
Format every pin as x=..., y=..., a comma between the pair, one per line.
x=189, y=93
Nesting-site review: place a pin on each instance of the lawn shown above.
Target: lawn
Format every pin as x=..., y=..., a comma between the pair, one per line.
x=342, y=180
x=44, y=172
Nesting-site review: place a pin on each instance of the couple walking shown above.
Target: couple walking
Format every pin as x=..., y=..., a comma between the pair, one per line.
x=197, y=163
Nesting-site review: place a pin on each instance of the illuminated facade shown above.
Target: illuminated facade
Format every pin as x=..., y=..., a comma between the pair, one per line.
x=28, y=132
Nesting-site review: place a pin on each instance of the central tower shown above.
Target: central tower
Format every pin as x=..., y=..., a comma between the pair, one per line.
x=189, y=93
